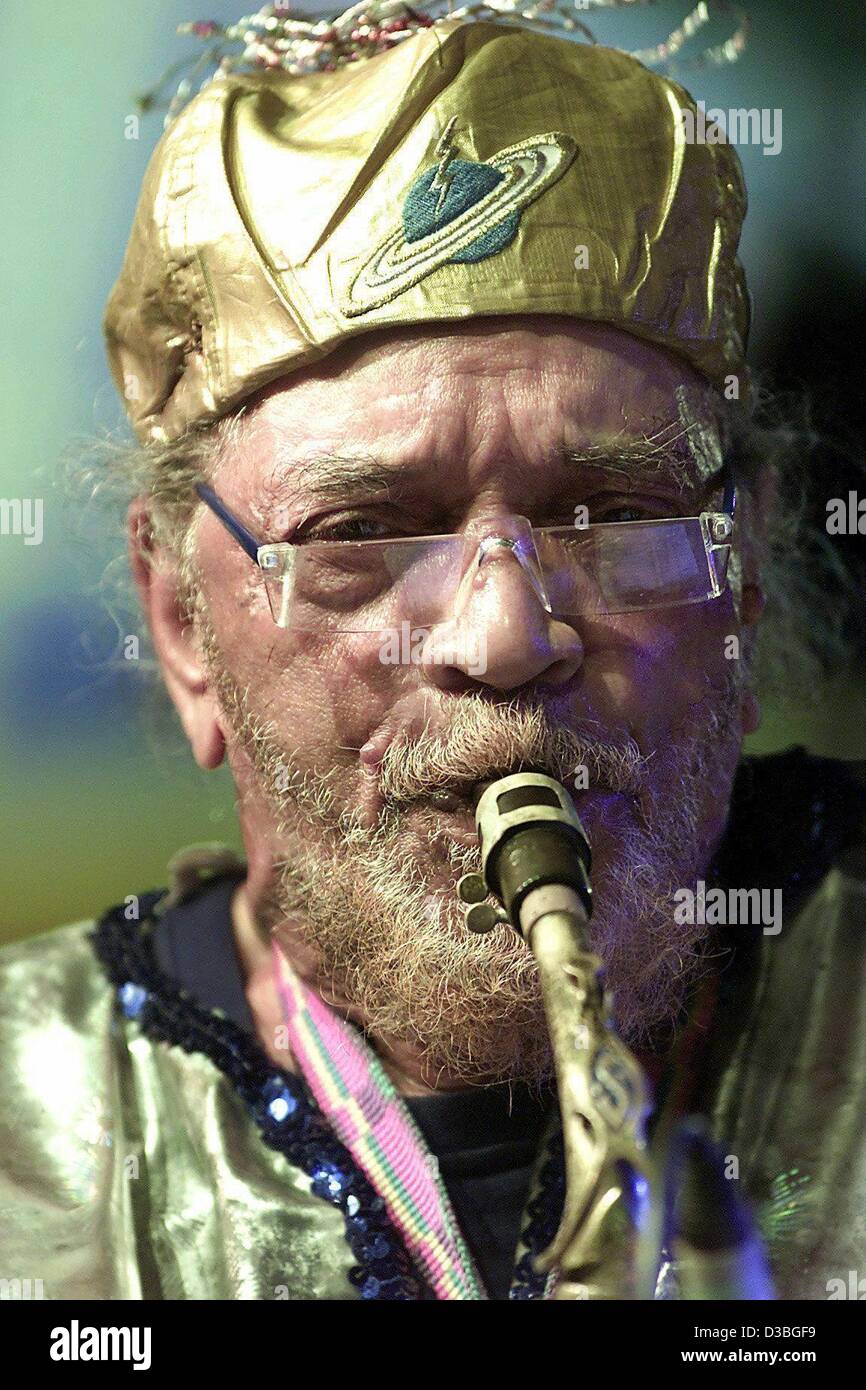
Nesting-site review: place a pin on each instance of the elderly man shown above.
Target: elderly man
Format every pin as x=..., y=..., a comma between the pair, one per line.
x=437, y=361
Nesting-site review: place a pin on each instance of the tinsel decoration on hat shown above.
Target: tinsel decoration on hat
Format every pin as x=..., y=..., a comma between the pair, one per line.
x=277, y=36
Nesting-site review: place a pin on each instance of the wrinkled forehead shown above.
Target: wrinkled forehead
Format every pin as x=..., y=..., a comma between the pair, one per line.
x=547, y=393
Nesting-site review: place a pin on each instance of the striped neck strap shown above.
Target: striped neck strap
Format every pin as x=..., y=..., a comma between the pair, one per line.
x=370, y=1119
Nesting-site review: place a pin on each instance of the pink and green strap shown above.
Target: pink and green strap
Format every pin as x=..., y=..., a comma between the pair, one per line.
x=369, y=1118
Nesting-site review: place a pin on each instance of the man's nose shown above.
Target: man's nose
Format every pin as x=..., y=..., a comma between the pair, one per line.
x=500, y=633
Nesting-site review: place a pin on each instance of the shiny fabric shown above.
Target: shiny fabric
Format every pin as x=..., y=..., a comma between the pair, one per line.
x=282, y=215
x=786, y=1087
x=130, y=1169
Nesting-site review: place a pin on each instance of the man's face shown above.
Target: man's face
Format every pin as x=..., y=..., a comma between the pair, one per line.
x=336, y=752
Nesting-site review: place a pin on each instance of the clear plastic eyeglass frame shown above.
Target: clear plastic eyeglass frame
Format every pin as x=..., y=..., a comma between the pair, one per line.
x=598, y=569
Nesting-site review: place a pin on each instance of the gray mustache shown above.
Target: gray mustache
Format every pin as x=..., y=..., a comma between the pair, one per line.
x=413, y=769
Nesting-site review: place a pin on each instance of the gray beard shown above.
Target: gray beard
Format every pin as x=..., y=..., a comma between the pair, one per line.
x=379, y=910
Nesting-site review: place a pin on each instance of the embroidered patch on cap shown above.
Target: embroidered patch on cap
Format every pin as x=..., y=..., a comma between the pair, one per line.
x=459, y=210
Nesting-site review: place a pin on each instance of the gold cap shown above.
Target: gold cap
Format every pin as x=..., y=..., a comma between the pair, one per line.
x=477, y=168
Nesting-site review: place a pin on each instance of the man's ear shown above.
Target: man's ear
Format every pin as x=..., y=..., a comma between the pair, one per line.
x=156, y=579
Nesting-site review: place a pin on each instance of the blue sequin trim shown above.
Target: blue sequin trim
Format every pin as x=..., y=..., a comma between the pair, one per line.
x=544, y=1213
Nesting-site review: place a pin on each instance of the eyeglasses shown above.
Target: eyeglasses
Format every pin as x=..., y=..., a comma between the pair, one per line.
x=600, y=568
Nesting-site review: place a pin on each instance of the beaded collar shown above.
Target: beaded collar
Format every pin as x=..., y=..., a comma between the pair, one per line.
x=792, y=814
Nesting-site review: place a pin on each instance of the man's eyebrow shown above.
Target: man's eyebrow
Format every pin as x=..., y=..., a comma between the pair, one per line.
x=330, y=477
x=673, y=457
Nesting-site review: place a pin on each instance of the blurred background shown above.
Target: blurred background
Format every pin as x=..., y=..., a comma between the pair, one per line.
x=97, y=788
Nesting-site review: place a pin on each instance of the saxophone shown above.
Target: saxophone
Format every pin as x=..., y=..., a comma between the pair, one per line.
x=536, y=859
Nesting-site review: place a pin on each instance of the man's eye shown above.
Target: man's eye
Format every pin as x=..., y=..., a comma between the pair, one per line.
x=611, y=508
x=598, y=512
x=347, y=528
x=632, y=513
